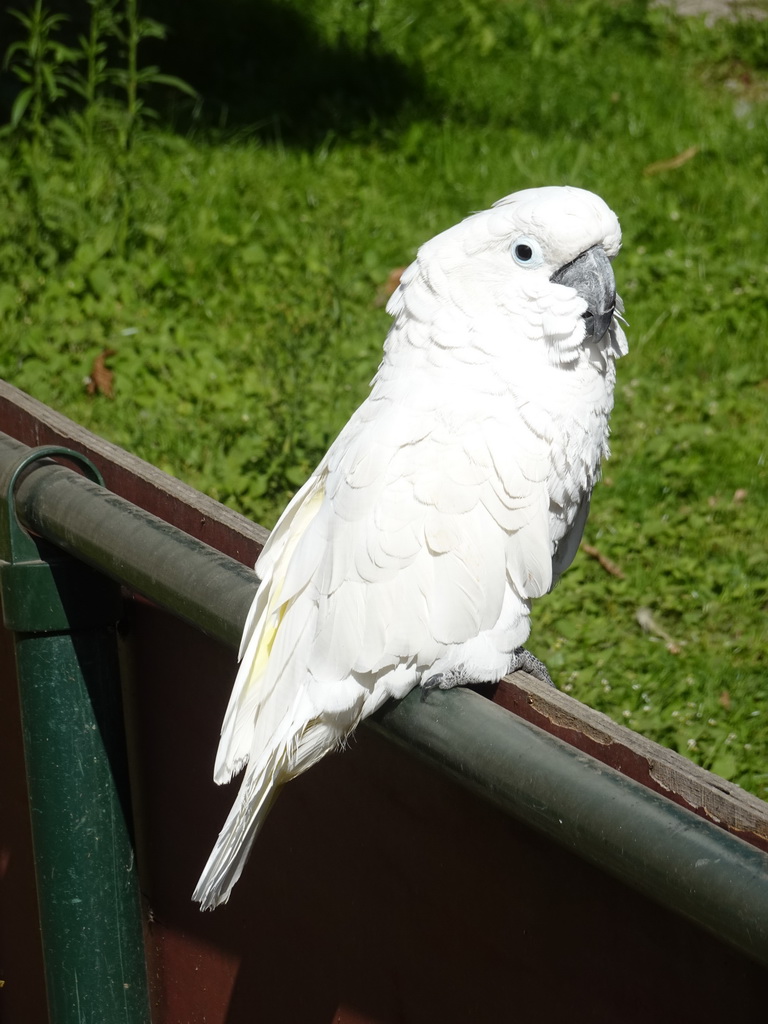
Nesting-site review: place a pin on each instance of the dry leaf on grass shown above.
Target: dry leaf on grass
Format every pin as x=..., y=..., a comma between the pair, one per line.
x=100, y=380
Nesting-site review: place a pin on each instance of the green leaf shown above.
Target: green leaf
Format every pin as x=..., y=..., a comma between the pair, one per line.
x=20, y=105
x=25, y=20
x=175, y=83
x=100, y=280
x=18, y=47
x=151, y=29
x=725, y=765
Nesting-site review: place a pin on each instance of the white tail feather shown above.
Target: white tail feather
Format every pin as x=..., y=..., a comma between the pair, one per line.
x=228, y=857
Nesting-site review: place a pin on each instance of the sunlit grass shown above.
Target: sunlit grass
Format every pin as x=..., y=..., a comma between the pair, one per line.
x=235, y=276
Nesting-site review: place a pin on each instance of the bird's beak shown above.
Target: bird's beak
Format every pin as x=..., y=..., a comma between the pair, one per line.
x=591, y=275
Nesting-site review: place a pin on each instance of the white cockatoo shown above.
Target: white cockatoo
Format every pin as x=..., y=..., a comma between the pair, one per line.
x=455, y=494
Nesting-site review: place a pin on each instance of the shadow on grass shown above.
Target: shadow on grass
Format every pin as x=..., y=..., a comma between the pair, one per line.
x=260, y=67
x=263, y=67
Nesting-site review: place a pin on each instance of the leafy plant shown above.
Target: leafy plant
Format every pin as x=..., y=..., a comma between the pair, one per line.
x=51, y=71
x=40, y=62
x=132, y=78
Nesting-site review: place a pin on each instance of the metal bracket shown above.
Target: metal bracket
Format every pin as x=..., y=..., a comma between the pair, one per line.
x=42, y=589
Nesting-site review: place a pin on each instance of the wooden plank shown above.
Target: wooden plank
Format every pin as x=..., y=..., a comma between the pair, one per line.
x=379, y=891
x=33, y=423
x=656, y=767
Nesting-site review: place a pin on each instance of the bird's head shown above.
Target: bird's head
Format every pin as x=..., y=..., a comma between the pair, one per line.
x=536, y=265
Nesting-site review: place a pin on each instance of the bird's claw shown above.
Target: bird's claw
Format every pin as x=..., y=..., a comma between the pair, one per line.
x=442, y=681
x=524, y=661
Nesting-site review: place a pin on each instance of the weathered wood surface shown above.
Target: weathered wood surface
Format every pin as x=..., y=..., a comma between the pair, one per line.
x=656, y=767
x=33, y=423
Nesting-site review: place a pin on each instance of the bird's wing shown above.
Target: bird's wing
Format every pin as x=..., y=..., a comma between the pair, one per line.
x=252, y=704
x=391, y=552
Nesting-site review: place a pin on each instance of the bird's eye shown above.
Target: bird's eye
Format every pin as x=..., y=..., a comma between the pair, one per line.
x=526, y=252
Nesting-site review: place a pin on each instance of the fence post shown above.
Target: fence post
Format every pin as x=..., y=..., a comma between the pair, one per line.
x=63, y=616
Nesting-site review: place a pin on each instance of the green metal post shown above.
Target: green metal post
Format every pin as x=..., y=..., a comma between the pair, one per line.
x=63, y=615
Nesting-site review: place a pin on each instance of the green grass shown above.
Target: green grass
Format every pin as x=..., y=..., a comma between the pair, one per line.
x=232, y=254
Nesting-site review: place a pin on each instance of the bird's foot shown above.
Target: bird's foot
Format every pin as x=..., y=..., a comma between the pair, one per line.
x=524, y=661
x=443, y=681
